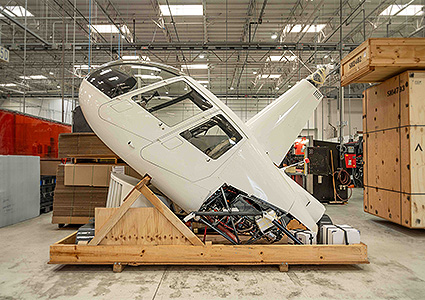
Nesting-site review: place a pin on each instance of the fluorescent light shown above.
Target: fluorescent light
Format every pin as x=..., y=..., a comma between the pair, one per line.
x=270, y=76
x=195, y=67
x=274, y=36
x=51, y=73
x=135, y=57
x=202, y=81
x=205, y=85
x=254, y=72
x=408, y=10
x=33, y=77
x=309, y=28
x=85, y=67
x=8, y=84
x=182, y=10
x=201, y=55
x=110, y=28
x=17, y=11
x=146, y=68
x=130, y=57
x=58, y=86
x=38, y=77
x=148, y=76
x=281, y=58
x=277, y=88
x=232, y=88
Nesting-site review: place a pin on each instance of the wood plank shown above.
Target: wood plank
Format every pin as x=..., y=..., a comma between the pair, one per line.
x=170, y=216
x=119, y=213
x=209, y=254
x=140, y=226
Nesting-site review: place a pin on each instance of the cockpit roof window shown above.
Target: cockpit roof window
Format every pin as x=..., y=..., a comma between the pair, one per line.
x=119, y=78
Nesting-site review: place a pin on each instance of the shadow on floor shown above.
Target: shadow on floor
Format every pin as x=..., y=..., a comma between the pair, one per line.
x=401, y=229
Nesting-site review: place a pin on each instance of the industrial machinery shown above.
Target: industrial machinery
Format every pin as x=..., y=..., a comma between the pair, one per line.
x=199, y=153
x=353, y=158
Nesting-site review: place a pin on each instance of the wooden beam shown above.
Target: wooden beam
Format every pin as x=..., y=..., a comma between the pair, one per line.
x=120, y=212
x=209, y=254
x=170, y=216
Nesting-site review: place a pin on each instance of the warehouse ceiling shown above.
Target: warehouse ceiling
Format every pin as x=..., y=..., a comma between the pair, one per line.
x=243, y=48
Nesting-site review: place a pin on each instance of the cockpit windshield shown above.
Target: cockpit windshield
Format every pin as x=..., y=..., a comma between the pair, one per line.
x=120, y=78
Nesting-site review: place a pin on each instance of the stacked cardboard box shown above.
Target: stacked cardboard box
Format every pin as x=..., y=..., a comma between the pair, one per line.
x=75, y=204
x=82, y=145
x=81, y=187
x=394, y=124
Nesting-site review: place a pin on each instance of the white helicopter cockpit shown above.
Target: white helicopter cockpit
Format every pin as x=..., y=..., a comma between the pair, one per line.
x=199, y=153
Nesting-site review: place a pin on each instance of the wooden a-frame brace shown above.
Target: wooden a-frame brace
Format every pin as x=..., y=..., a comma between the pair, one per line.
x=141, y=188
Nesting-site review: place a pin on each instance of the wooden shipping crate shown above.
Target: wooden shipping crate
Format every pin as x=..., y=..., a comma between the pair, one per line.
x=383, y=203
x=378, y=59
x=394, y=124
x=382, y=159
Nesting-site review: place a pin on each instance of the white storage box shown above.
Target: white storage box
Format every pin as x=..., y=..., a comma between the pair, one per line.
x=19, y=188
x=339, y=235
x=305, y=236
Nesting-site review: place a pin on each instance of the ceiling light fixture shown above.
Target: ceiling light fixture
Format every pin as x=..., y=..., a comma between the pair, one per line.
x=130, y=57
x=271, y=76
x=309, y=28
x=16, y=11
x=182, y=10
x=195, y=67
x=274, y=36
x=403, y=10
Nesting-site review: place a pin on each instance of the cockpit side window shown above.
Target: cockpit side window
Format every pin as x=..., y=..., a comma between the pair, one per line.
x=172, y=103
x=214, y=137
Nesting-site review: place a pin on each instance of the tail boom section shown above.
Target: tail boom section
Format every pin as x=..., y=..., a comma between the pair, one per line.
x=279, y=124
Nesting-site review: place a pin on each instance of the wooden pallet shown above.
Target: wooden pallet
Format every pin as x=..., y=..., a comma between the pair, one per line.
x=121, y=239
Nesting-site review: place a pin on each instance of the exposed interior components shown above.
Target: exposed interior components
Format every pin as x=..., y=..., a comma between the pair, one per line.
x=233, y=213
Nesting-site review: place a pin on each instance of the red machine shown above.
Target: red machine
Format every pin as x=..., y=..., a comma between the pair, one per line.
x=21, y=134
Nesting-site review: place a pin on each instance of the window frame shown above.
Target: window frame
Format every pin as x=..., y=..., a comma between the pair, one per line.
x=226, y=118
x=165, y=82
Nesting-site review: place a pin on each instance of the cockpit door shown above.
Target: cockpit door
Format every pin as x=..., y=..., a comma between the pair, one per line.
x=197, y=152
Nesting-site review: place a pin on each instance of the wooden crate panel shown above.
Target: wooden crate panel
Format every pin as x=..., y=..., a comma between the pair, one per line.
x=418, y=211
x=385, y=204
x=140, y=226
x=378, y=59
x=382, y=105
x=383, y=159
x=412, y=104
x=413, y=159
x=406, y=206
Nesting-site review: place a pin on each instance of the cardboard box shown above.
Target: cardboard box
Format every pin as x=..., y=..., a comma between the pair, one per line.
x=87, y=175
x=48, y=167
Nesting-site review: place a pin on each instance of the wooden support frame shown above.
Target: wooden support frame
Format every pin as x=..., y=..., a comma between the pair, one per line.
x=67, y=252
x=194, y=252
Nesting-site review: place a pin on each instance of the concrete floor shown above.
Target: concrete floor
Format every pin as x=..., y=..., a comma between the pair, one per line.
x=396, y=270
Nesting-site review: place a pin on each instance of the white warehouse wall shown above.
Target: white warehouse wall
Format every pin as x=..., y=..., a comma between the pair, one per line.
x=49, y=108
